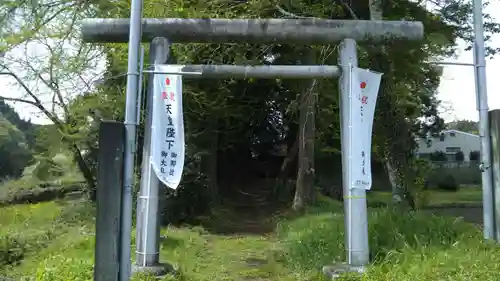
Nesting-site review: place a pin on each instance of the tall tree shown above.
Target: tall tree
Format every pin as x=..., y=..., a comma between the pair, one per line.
x=43, y=53
x=252, y=115
x=467, y=126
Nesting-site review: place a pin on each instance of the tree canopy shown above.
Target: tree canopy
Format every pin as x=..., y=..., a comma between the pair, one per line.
x=467, y=126
x=243, y=121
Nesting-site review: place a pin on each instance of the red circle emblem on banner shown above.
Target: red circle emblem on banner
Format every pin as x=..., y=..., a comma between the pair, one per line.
x=363, y=85
x=167, y=81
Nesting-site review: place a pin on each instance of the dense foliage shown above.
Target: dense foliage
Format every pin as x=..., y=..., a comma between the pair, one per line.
x=244, y=134
x=248, y=141
x=474, y=155
x=467, y=126
x=242, y=121
x=14, y=151
x=16, y=142
x=438, y=156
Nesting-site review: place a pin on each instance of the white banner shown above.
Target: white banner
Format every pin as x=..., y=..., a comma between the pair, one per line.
x=167, y=130
x=364, y=92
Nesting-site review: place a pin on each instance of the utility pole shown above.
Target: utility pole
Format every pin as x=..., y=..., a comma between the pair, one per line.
x=484, y=132
x=134, y=42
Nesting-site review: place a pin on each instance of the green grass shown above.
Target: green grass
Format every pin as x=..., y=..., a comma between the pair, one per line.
x=31, y=230
x=466, y=195
x=404, y=247
x=29, y=181
x=29, y=188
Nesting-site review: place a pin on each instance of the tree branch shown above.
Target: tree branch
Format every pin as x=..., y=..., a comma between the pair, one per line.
x=292, y=15
x=51, y=84
x=19, y=100
x=37, y=102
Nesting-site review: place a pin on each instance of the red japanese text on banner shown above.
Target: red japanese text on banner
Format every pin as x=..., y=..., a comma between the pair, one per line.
x=365, y=89
x=167, y=130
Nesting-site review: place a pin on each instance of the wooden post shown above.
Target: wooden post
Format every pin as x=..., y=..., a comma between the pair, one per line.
x=495, y=166
x=109, y=194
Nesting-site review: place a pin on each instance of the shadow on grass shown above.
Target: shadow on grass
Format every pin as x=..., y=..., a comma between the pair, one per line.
x=263, y=218
x=255, y=214
x=231, y=220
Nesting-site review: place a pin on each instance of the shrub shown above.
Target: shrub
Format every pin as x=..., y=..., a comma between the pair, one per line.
x=313, y=241
x=12, y=250
x=418, y=185
x=449, y=183
x=474, y=155
x=191, y=199
x=459, y=156
x=438, y=156
x=47, y=169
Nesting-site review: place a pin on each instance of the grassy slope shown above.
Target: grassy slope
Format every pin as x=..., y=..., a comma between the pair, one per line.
x=416, y=247
x=29, y=184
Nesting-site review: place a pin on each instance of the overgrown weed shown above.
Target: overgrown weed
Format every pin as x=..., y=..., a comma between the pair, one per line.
x=404, y=247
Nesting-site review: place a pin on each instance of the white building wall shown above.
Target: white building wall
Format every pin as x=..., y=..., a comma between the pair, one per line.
x=465, y=141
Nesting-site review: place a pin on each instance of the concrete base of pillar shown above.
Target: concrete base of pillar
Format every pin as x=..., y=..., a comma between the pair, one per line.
x=337, y=270
x=161, y=269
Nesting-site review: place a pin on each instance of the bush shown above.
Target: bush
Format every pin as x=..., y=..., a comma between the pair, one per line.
x=47, y=169
x=191, y=199
x=465, y=174
x=438, y=156
x=313, y=241
x=449, y=183
x=12, y=250
x=474, y=155
x=459, y=156
x=419, y=184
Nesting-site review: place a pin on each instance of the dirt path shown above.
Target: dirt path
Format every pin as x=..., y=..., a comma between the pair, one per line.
x=247, y=210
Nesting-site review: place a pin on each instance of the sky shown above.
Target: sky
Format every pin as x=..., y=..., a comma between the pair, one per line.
x=456, y=90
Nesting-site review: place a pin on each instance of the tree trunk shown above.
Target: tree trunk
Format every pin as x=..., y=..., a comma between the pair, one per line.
x=87, y=174
x=376, y=9
x=397, y=192
x=305, y=193
x=376, y=13
x=284, y=189
x=287, y=162
x=209, y=161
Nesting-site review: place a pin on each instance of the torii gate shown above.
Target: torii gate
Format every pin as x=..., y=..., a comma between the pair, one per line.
x=282, y=31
